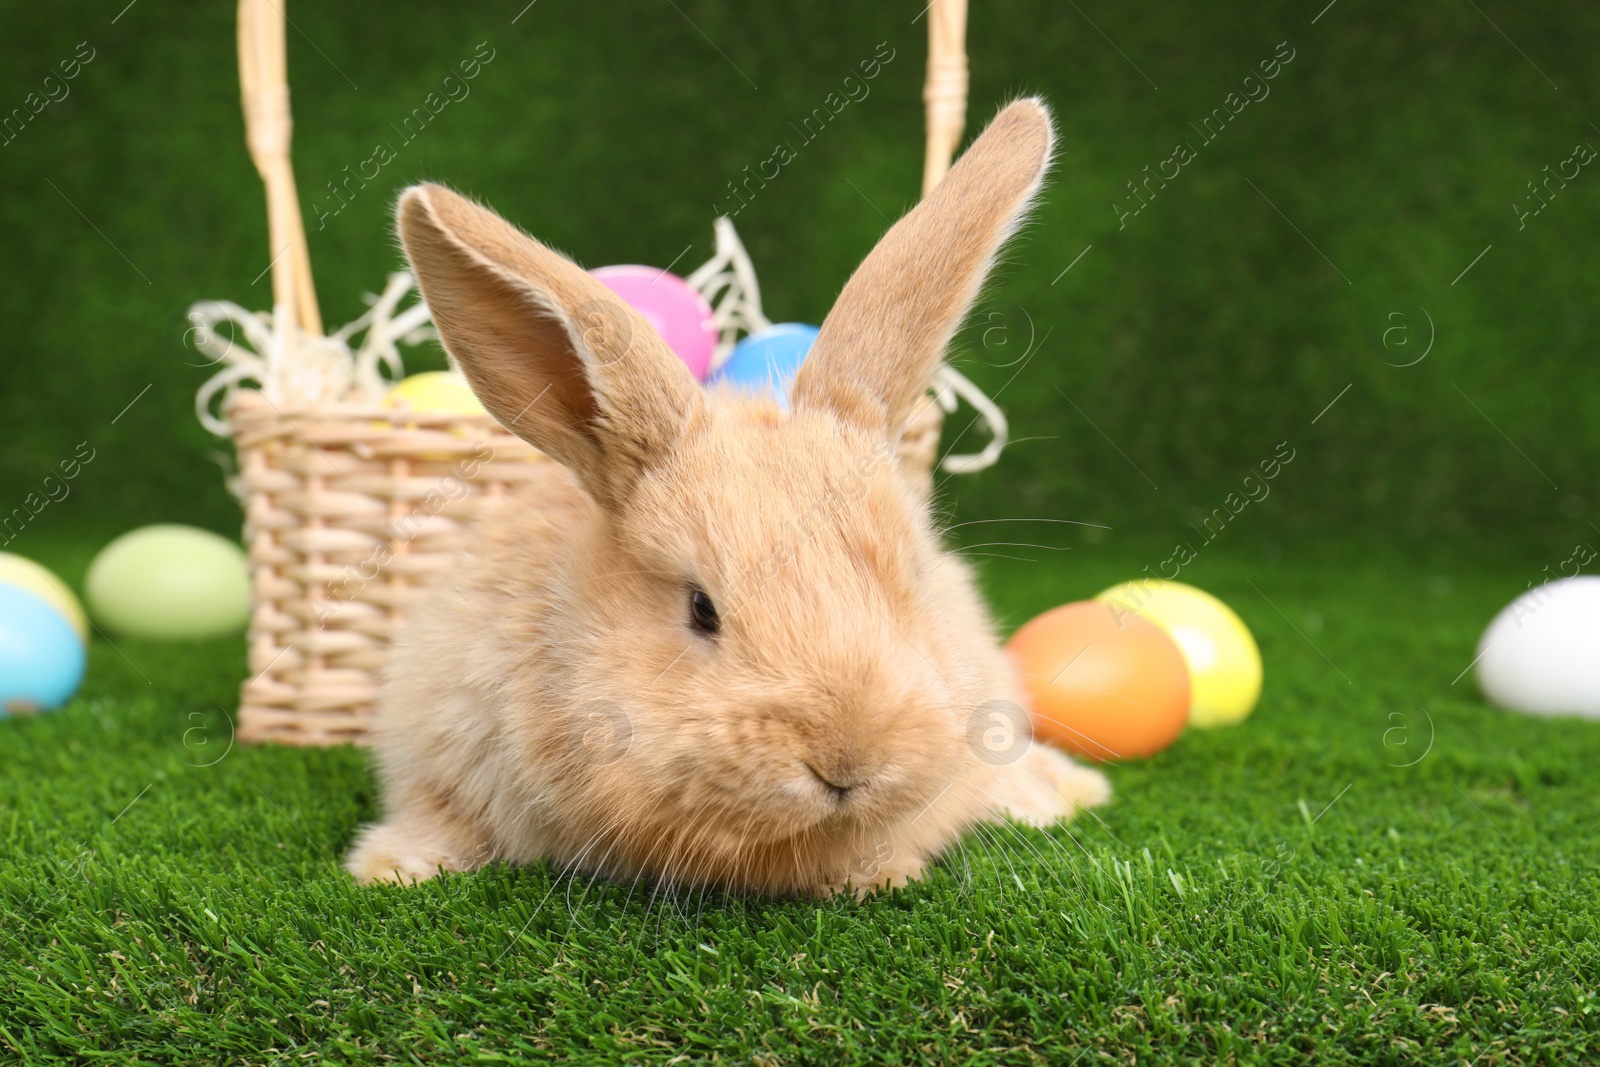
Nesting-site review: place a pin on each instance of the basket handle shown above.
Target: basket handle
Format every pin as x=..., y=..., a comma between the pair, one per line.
x=263, y=79
x=945, y=92
x=264, y=85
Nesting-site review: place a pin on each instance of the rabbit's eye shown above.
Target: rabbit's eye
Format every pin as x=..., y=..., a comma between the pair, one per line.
x=703, y=613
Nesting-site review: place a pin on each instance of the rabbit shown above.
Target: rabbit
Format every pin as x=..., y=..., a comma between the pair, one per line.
x=718, y=643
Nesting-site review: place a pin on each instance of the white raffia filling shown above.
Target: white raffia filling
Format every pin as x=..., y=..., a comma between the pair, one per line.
x=296, y=371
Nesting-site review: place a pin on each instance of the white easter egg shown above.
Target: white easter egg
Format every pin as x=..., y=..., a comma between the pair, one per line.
x=1542, y=653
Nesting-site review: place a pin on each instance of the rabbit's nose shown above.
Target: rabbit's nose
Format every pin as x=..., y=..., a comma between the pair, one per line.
x=839, y=779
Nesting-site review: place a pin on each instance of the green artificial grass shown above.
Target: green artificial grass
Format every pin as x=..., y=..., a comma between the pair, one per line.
x=1375, y=868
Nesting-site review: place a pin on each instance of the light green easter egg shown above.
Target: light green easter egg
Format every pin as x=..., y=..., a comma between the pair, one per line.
x=171, y=583
x=26, y=574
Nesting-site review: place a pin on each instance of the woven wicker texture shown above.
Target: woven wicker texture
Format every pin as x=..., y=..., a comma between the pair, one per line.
x=345, y=513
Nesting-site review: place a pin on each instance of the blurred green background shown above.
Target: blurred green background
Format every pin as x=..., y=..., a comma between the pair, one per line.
x=1318, y=243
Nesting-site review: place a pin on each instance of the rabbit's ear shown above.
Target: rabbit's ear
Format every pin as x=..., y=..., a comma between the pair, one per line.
x=885, y=336
x=560, y=360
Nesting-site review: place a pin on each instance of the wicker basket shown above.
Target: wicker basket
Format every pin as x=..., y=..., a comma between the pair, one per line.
x=345, y=514
x=349, y=505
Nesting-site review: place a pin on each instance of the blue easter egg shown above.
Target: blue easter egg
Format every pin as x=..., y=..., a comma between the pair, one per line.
x=41, y=658
x=768, y=361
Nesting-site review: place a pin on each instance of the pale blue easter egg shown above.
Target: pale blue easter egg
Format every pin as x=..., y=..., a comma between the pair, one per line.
x=766, y=362
x=41, y=657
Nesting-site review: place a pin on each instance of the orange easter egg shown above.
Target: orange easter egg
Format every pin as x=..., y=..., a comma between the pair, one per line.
x=1102, y=684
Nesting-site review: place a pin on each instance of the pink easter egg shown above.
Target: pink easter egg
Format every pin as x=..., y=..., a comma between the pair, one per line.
x=680, y=315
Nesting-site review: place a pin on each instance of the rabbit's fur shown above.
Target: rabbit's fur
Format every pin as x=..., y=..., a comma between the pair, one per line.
x=556, y=697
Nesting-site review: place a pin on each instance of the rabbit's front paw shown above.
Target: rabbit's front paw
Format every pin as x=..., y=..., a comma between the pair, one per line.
x=882, y=868
x=1045, y=785
x=405, y=854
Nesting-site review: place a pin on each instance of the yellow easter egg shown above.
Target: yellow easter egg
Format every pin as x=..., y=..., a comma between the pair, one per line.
x=27, y=575
x=435, y=392
x=440, y=391
x=1224, y=662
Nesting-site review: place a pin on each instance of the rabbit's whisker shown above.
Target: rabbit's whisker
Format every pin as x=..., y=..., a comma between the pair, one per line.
x=986, y=522
x=1022, y=837
x=534, y=913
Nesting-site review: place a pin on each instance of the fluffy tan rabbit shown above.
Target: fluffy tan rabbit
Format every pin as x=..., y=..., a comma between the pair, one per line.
x=718, y=643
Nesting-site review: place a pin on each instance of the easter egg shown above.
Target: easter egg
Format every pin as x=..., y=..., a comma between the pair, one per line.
x=676, y=309
x=170, y=582
x=440, y=391
x=41, y=656
x=1541, y=654
x=26, y=574
x=1103, y=684
x=1224, y=662
x=768, y=360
